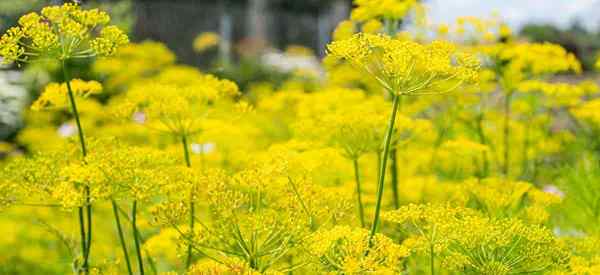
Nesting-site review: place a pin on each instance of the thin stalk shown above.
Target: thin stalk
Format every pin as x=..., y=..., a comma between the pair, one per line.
x=361, y=211
x=394, y=176
x=81, y=215
x=186, y=151
x=74, y=109
x=432, y=259
x=381, y=180
x=138, y=251
x=188, y=163
x=86, y=238
x=121, y=237
x=507, y=101
x=304, y=207
x=141, y=240
x=378, y=153
x=394, y=168
x=88, y=207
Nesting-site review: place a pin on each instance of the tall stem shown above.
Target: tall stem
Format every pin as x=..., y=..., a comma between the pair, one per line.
x=121, y=237
x=138, y=251
x=88, y=207
x=67, y=79
x=394, y=169
x=86, y=238
x=394, y=176
x=141, y=240
x=432, y=259
x=381, y=180
x=188, y=163
x=82, y=234
x=507, y=102
x=361, y=211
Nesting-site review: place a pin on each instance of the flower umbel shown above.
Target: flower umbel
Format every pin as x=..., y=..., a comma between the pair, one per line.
x=407, y=68
x=61, y=32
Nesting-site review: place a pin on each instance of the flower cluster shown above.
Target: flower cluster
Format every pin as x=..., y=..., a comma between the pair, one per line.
x=55, y=94
x=405, y=67
x=388, y=9
x=347, y=173
x=61, y=32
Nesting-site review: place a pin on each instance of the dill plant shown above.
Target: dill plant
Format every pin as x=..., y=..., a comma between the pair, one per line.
x=266, y=181
x=404, y=68
x=64, y=33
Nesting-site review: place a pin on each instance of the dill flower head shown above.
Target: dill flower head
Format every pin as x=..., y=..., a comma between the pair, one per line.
x=54, y=95
x=372, y=26
x=588, y=112
x=229, y=266
x=381, y=9
x=470, y=242
x=503, y=246
x=132, y=172
x=407, y=68
x=61, y=32
x=559, y=94
x=502, y=198
x=8, y=193
x=134, y=62
x=342, y=249
x=472, y=30
x=344, y=30
x=110, y=170
x=517, y=62
x=205, y=41
x=431, y=225
x=175, y=109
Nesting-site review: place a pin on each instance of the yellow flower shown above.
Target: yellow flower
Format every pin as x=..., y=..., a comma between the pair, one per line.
x=205, y=41
x=134, y=62
x=372, y=26
x=405, y=67
x=343, y=249
x=344, y=30
x=61, y=32
x=381, y=9
x=55, y=94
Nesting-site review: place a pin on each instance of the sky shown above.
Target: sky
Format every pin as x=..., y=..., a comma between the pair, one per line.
x=518, y=12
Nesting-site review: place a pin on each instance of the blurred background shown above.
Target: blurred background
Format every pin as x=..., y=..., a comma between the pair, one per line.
x=250, y=41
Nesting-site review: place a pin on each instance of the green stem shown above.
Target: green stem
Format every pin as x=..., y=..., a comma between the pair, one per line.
x=86, y=238
x=381, y=180
x=88, y=207
x=186, y=151
x=82, y=235
x=138, y=251
x=188, y=163
x=311, y=219
x=121, y=237
x=74, y=109
x=361, y=211
x=394, y=176
x=141, y=240
x=432, y=259
x=378, y=153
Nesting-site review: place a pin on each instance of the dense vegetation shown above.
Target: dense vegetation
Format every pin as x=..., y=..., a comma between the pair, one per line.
x=448, y=150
